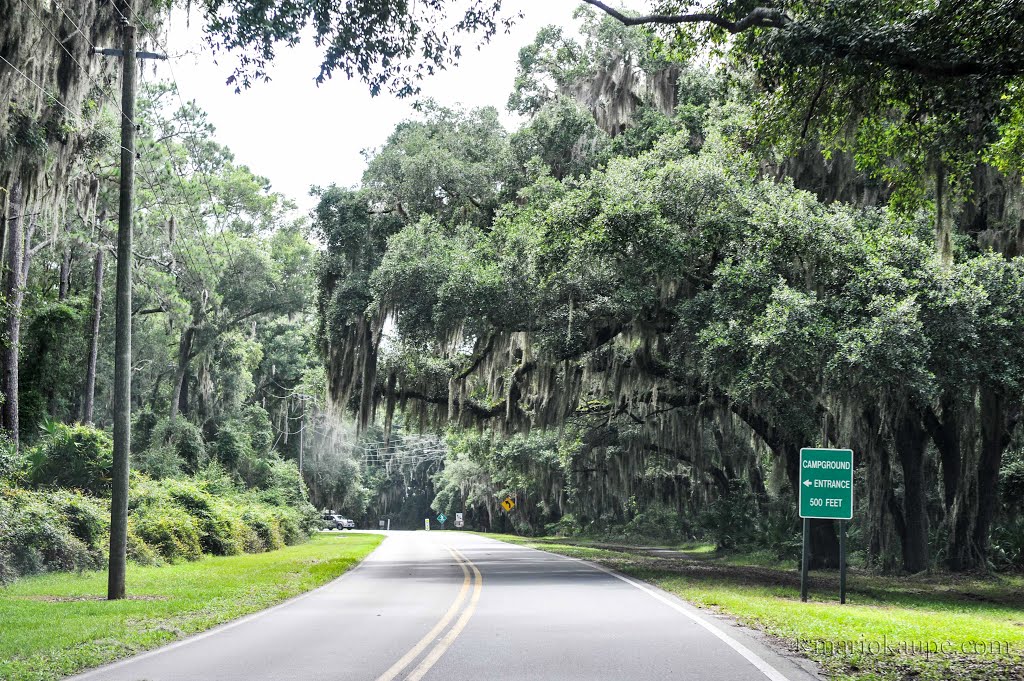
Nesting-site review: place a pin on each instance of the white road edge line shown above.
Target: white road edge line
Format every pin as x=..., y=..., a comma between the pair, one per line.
x=749, y=655
x=88, y=674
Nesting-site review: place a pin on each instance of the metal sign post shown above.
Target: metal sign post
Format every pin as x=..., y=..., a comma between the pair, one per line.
x=842, y=561
x=805, y=559
x=826, y=492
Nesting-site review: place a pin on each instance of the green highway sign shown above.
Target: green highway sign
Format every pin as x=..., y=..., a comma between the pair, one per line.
x=826, y=483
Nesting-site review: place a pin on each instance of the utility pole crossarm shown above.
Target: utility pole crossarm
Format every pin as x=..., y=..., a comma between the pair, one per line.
x=116, y=52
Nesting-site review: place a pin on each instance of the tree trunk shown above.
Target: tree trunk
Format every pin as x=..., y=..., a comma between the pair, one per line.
x=946, y=434
x=179, y=394
x=65, y=275
x=94, y=340
x=14, y=291
x=962, y=553
x=909, y=437
x=997, y=425
x=757, y=482
x=977, y=501
x=884, y=521
x=943, y=221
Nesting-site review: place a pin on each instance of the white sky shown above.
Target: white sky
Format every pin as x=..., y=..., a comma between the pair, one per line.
x=298, y=135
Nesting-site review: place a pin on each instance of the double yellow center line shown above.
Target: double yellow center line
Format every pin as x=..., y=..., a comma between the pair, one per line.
x=442, y=645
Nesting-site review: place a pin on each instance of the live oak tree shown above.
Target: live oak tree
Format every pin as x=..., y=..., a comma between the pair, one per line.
x=651, y=307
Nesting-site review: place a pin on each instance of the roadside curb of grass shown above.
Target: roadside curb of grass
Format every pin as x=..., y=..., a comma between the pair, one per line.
x=756, y=646
x=223, y=626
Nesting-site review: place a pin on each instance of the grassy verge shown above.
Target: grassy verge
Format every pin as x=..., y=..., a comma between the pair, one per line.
x=937, y=627
x=56, y=624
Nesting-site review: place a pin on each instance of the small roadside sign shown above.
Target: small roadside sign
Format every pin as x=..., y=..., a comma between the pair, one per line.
x=458, y=520
x=441, y=517
x=508, y=504
x=426, y=524
x=826, y=483
x=826, y=493
x=382, y=524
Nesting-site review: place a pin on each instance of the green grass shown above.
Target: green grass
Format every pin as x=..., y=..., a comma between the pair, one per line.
x=57, y=624
x=865, y=640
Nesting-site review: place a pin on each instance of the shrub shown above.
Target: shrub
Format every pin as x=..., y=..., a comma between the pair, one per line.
x=142, y=430
x=86, y=517
x=277, y=526
x=657, y=522
x=1008, y=544
x=255, y=421
x=779, y=532
x=279, y=483
x=216, y=480
x=566, y=526
x=78, y=456
x=12, y=465
x=169, y=519
x=170, y=530
x=232, y=446
x=1011, y=481
x=222, y=532
x=36, y=535
x=159, y=462
x=266, y=530
x=182, y=438
x=728, y=519
x=138, y=550
x=291, y=526
x=52, y=347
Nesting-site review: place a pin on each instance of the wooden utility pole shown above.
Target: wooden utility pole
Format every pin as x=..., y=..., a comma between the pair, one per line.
x=123, y=310
x=123, y=326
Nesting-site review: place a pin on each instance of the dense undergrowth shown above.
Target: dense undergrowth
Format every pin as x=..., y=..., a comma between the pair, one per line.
x=184, y=501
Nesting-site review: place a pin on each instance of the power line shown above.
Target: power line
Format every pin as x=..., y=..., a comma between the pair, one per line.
x=104, y=97
x=200, y=232
x=54, y=98
x=113, y=5
x=191, y=131
x=78, y=28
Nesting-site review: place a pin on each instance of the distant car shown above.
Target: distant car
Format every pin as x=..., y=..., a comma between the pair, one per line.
x=333, y=521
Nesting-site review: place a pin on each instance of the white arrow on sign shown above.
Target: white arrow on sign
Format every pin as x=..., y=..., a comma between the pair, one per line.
x=807, y=483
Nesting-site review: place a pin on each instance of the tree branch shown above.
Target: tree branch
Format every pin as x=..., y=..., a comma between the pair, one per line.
x=813, y=105
x=881, y=52
x=759, y=16
x=488, y=347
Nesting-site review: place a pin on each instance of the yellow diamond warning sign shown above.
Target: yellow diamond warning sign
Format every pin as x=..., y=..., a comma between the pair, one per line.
x=508, y=504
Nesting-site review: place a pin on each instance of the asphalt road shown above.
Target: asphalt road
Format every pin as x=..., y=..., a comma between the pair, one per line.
x=449, y=606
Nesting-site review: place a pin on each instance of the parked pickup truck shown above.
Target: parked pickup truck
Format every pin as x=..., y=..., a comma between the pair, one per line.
x=333, y=521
